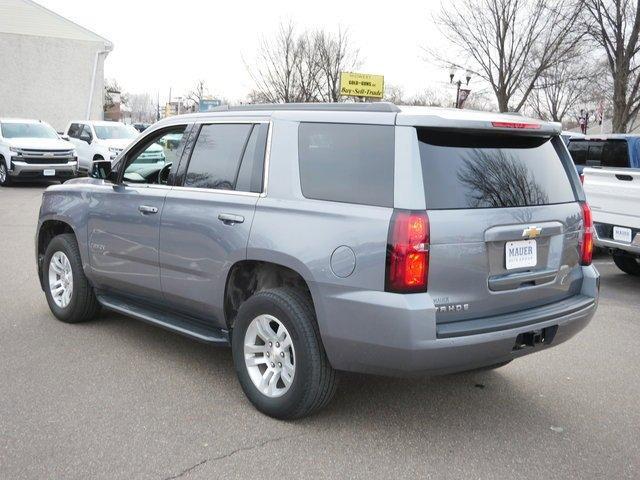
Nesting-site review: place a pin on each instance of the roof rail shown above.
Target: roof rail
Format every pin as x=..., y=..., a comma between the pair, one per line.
x=333, y=107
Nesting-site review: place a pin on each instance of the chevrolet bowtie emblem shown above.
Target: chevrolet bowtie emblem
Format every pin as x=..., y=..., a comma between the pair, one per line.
x=531, y=232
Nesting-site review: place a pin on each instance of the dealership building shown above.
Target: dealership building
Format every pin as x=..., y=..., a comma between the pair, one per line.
x=50, y=68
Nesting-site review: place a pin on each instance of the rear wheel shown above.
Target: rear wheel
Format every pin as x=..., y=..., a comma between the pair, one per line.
x=5, y=179
x=70, y=296
x=278, y=355
x=627, y=263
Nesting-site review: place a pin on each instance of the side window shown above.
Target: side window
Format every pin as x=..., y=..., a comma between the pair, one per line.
x=74, y=130
x=155, y=158
x=216, y=156
x=252, y=166
x=85, y=133
x=348, y=163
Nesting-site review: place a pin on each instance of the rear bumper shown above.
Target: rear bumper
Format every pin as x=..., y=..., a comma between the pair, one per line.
x=30, y=170
x=604, y=239
x=398, y=336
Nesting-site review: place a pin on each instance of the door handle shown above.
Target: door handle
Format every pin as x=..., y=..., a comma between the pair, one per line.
x=230, y=218
x=146, y=209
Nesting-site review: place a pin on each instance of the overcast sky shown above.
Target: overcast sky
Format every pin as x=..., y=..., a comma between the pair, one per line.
x=160, y=44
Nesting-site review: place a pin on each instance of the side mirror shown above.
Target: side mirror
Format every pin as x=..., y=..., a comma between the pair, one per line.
x=85, y=138
x=101, y=169
x=64, y=137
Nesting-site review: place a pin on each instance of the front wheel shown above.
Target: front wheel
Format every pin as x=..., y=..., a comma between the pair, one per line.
x=5, y=179
x=278, y=354
x=70, y=296
x=627, y=263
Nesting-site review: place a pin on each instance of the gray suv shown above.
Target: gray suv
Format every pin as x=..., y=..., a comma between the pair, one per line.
x=314, y=238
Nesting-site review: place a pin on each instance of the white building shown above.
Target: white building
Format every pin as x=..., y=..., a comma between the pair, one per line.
x=50, y=68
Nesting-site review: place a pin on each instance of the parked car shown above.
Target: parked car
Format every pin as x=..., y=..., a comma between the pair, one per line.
x=614, y=195
x=616, y=150
x=99, y=140
x=315, y=238
x=31, y=149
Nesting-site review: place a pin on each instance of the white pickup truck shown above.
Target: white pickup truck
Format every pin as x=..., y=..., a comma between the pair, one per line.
x=102, y=140
x=614, y=197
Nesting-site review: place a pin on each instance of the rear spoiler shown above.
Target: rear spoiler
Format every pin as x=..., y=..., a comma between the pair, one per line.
x=503, y=123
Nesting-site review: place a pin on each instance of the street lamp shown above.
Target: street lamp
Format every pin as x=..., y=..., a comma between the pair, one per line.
x=452, y=74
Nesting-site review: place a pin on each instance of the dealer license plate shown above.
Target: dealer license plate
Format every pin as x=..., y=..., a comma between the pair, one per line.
x=521, y=254
x=49, y=173
x=622, y=234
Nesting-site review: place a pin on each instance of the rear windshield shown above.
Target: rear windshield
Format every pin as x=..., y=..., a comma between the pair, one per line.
x=469, y=170
x=600, y=153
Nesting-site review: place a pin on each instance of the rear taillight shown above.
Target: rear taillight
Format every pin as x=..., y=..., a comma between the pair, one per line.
x=408, y=252
x=586, y=243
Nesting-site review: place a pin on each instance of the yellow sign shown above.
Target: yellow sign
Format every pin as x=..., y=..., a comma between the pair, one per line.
x=361, y=85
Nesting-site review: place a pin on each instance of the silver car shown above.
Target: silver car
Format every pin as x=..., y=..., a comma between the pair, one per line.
x=315, y=238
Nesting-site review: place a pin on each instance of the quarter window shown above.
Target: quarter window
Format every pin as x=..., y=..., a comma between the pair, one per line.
x=348, y=163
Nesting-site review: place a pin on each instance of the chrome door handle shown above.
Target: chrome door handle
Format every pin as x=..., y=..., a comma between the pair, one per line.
x=145, y=209
x=230, y=218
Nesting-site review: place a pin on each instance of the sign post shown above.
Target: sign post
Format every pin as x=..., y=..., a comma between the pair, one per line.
x=361, y=85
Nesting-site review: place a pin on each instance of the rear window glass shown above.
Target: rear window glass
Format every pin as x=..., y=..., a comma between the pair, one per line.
x=600, y=153
x=347, y=162
x=467, y=170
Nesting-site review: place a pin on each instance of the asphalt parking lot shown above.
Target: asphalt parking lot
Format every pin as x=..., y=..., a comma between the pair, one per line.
x=118, y=399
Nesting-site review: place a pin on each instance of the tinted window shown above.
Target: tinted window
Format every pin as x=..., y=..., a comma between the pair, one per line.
x=578, y=151
x=216, y=156
x=347, y=163
x=463, y=170
x=609, y=153
x=252, y=167
x=74, y=130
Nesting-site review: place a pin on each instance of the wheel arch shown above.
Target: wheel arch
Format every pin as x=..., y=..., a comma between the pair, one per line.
x=47, y=231
x=246, y=277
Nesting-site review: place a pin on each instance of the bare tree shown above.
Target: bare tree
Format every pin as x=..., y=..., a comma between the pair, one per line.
x=304, y=67
x=567, y=85
x=616, y=30
x=197, y=94
x=142, y=107
x=510, y=43
x=335, y=54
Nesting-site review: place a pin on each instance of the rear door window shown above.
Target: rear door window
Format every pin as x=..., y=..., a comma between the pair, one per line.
x=479, y=170
x=215, y=160
x=349, y=163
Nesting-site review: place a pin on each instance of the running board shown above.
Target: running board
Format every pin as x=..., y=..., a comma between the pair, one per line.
x=187, y=326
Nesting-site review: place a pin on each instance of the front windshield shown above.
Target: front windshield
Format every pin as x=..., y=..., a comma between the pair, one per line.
x=115, y=131
x=27, y=130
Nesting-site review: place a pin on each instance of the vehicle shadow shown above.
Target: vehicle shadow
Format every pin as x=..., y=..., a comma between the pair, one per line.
x=471, y=401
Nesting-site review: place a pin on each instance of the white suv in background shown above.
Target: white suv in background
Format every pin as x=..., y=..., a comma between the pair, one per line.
x=102, y=140
x=31, y=149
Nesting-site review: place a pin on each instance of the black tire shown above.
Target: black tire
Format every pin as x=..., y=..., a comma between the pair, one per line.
x=314, y=382
x=83, y=304
x=627, y=263
x=5, y=179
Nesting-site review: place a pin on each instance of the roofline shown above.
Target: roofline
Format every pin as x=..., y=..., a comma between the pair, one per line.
x=385, y=107
x=107, y=43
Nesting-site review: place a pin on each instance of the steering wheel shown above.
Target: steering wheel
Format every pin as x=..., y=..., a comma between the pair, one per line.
x=163, y=174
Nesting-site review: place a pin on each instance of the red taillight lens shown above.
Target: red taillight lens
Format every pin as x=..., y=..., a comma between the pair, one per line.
x=586, y=244
x=408, y=252
x=517, y=125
